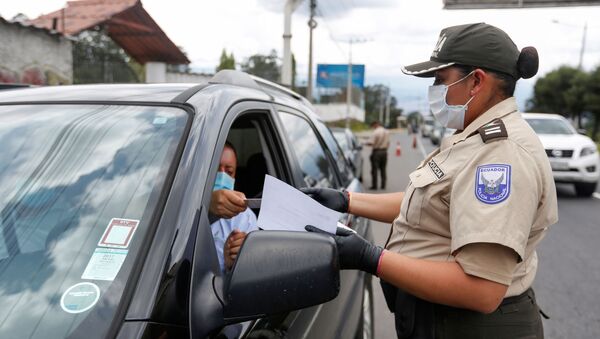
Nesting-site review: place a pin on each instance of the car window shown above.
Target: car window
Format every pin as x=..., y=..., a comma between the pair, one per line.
x=549, y=126
x=316, y=169
x=78, y=187
x=340, y=136
x=338, y=155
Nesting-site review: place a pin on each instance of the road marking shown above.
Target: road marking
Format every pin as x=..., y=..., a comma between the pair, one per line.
x=596, y=195
x=421, y=147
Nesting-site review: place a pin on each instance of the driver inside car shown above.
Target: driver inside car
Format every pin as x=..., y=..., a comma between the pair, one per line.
x=236, y=219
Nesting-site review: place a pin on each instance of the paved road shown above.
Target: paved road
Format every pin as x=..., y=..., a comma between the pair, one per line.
x=568, y=279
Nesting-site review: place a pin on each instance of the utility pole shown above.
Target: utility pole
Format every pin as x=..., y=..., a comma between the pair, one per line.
x=381, y=103
x=312, y=24
x=387, y=107
x=349, y=83
x=286, y=68
x=582, y=46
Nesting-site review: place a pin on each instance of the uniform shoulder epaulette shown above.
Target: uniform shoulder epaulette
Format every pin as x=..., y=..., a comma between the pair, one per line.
x=493, y=131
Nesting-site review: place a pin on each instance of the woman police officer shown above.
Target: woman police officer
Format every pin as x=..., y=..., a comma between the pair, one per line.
x=460, y=259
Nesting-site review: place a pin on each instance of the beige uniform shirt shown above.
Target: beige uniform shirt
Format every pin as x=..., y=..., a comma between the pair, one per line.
x=472, y=192
x=381, y=138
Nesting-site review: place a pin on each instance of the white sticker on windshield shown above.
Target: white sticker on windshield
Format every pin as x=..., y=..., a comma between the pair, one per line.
x=80, y=297
x=160, y=121
x=118, y=233
x=104, y=264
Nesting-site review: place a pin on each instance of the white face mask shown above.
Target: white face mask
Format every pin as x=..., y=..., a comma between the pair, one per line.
x=451, y=116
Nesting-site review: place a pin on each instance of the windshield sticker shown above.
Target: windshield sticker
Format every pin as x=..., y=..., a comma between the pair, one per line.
x=160, y=121
x=104, y=264
x=80, y=297
x=118, y=233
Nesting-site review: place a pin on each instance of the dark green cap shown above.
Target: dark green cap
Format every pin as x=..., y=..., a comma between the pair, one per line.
x=478, y=45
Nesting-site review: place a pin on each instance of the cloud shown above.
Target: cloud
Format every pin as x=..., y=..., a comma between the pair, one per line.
x=327, y=8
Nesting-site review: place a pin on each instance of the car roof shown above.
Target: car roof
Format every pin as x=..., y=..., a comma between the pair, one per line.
x=100, y=92
x=541, y=116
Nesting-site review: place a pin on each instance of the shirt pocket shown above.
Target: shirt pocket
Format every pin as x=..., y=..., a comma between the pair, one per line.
x=420, y=179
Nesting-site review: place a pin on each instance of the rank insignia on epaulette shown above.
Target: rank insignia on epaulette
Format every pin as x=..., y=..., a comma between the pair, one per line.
x=495, y=130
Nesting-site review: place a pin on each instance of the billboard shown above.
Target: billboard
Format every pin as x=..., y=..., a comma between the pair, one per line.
x=486, y=4
x=336, y=76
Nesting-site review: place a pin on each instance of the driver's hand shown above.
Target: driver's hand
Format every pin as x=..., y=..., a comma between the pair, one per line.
x=227, y=203
x=232, y=247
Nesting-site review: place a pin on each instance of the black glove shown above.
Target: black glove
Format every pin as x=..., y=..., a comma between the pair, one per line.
x=354, y=252
x=330, y=198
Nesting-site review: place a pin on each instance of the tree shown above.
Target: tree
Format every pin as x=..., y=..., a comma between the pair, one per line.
x=559, y=92
x=591, y=99
x=264, y=66
x=226, y=61
x=98, y=59
x=376, y=101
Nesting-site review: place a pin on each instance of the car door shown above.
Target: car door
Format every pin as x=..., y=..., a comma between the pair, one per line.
x=318, y=165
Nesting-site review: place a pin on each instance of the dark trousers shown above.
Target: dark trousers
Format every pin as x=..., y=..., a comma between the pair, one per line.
x=516, y=318
x=378, y=163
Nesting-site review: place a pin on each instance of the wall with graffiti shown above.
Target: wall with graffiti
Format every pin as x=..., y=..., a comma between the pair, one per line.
x=30, y=55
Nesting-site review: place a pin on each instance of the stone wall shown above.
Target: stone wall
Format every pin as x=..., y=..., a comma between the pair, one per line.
x=34, y=56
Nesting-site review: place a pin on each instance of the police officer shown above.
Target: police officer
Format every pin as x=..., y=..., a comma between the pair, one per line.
x=461, y=256
x=380, y=142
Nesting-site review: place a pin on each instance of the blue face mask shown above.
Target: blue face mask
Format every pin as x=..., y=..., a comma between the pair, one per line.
x=223, y=182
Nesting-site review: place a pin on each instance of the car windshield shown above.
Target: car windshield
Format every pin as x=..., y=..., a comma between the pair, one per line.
x=79, y=185
x=549, y=126
x=340, y=136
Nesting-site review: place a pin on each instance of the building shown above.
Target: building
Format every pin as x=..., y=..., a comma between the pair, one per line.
x=128, y=24
x=34, y=55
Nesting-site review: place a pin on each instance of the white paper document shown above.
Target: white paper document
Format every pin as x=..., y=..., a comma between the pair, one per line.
x=285, y=208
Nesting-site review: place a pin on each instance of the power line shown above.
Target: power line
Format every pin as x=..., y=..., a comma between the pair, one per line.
x=331, y=35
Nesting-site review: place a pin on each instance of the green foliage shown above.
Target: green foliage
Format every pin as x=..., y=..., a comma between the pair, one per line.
x=570, y=92
x=591, y=99
x=226, y=61
x=376, y=100
x=98, y=59
x=264, y=66
x=558, y=92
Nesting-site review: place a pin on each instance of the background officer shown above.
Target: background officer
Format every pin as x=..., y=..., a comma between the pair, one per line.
x=460, y=260
x=380, y=142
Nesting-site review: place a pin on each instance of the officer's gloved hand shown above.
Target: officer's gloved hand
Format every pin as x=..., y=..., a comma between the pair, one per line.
x=330, y=198
x=354, y=252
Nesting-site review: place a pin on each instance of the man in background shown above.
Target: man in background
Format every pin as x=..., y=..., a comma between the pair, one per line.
x=380, y=141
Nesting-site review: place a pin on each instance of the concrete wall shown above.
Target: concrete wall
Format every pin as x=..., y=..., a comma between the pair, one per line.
x=188, y=78
x=34, y=56
x=335, y=112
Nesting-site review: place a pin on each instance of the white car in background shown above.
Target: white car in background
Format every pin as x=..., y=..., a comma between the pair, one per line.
x=427, y=126
x=573, y=157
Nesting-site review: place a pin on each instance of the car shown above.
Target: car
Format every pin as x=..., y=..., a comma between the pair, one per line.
x=573, y=157
x=427, y=126
x=352, y=149
x=437, y=133
x=105, y=230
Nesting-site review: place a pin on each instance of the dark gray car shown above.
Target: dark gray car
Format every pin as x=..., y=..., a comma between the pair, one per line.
x=104, y=223
x=352, y=149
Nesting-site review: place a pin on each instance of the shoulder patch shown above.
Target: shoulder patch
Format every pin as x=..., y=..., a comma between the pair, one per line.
x=436, y=169
x=492, y=183
x=495, y=130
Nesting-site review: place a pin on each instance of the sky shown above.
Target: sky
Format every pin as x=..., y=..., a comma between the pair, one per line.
x=395, y=33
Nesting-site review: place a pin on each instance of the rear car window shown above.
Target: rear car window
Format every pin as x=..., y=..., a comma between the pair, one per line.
x=549, y=126
x=316, y=168
x=78, y=188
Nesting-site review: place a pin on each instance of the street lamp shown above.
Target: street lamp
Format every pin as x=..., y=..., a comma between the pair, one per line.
x=581, y=51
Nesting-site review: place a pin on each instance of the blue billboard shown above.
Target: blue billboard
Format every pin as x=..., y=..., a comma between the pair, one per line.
x=336, y=76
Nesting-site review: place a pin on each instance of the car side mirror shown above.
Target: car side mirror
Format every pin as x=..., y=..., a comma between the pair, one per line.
x=281, y=271
x=582, y=131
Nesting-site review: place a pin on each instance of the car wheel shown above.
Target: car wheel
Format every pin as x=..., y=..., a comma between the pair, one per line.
x=585, y=189
x=366, y=328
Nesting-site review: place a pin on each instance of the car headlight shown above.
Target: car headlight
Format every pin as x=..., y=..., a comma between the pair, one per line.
x=587, y=151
